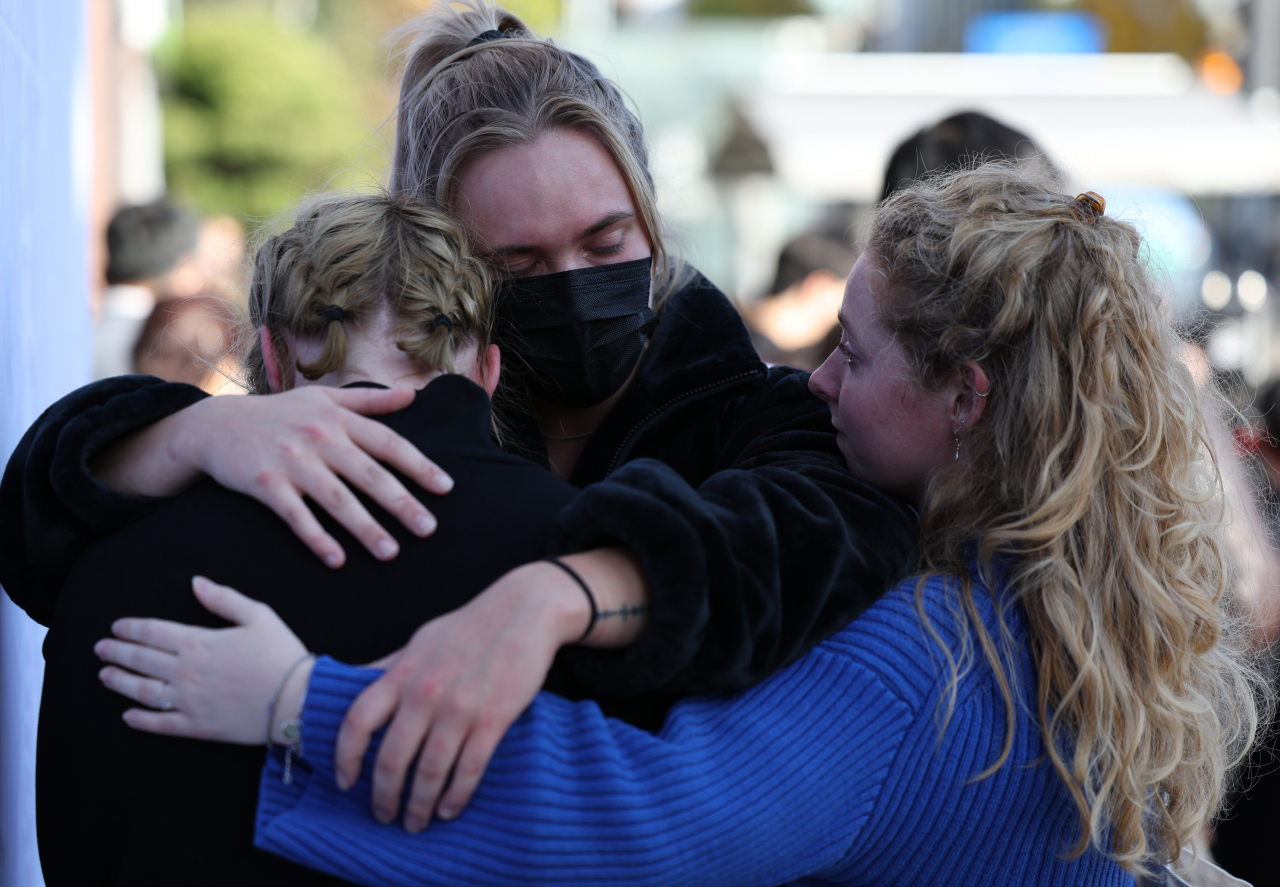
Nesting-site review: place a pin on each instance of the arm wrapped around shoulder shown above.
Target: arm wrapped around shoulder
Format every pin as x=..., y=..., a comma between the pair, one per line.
x=775, y=551
x=51, y=507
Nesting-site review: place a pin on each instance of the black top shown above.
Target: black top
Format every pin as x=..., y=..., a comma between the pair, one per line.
x=722, y=476
x=115, y=806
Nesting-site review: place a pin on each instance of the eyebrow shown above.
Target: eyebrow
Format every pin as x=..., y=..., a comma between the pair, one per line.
x=844, y=325
x=606, y=221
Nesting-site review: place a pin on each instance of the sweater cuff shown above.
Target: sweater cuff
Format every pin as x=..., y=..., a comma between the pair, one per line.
x=89, y=499
x=333, y=687
x=610, y=514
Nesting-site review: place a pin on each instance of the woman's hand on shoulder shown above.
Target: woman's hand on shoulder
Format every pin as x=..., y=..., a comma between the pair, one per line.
x=205, y=683
x=465, y=677
x=279, y=448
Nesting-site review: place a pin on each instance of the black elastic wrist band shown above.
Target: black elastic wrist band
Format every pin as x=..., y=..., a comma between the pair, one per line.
x=591, y=598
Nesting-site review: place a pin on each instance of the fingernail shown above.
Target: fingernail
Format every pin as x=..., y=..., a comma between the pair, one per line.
x=97, y=648
x=382, y=816
x=412, y=824
x=387, y=549
x=331, y=561
x=447, y=812
x=425, y=524
x=343, y=782
x=443, y=483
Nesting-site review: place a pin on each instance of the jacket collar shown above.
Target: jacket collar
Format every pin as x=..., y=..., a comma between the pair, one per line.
x=700, y=346
x=450, y=415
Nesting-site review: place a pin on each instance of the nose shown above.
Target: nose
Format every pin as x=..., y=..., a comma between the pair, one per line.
x=824, y=382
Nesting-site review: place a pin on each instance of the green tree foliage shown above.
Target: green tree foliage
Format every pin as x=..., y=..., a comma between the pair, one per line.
x=749, y=8
x=255, y=115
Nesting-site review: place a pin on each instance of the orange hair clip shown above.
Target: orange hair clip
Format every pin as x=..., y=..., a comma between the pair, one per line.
x=1089, y=206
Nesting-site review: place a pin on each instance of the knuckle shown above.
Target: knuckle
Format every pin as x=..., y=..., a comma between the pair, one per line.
x=425, y=691
x=389, y=768
x=471, y=768
x=404, y=504
x=401, y=672
x=489, y=722
x=314, y=432
x=265, y=479
x=419, y=807
x=336, y=496
x=372, y=475
x=360, y=720
x=431, y=770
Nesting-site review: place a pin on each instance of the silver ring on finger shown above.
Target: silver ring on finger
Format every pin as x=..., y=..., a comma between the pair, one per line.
x=162, y=703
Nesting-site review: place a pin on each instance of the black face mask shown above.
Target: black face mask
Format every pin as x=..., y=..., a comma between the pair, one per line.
x=574, y=337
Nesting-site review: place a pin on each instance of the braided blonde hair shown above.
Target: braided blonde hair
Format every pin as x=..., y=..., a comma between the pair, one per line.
x=1091, y=479
x=355, y=257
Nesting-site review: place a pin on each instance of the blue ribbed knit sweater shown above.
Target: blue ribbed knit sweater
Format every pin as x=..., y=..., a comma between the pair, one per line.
x=831, y=772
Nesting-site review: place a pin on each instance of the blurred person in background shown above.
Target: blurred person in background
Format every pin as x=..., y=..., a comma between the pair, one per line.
x=708, y=479
x=189, y=340
x=150, y=257
x=1244, y=838
x=792, y=325
x=960, y=139
x=220, y=255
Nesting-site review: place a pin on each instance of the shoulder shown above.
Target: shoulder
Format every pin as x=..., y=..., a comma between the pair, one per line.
x=905, y=636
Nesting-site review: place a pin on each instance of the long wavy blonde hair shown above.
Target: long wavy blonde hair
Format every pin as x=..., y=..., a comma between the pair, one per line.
x=1091, y=481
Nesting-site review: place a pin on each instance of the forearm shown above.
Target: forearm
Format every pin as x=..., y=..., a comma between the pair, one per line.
x=154, y=461
x=619, y=591
x=746, y=572
x=749, y=790
x=51, y=507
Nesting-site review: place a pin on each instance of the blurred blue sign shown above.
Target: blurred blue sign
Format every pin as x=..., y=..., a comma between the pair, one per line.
x=1042, y=32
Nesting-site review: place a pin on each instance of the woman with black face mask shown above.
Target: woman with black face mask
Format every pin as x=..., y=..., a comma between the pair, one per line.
x=719, y=535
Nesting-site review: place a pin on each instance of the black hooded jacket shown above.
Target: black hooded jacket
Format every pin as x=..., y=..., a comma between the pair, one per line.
x=721, y=474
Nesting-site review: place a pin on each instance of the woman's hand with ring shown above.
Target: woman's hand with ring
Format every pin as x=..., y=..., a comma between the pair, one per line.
x=209, y=683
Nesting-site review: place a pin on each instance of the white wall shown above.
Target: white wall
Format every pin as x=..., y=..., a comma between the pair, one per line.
x=44, y=327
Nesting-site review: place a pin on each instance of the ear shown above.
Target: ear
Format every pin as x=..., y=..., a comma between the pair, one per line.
x=491, y=368
x=972, y=389
x=275, y=378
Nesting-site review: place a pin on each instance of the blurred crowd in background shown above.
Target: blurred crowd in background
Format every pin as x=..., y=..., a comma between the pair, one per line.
x=774, y=126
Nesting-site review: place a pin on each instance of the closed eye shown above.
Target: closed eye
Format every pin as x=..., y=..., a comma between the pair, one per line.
x=606, y=251
x=849, y=357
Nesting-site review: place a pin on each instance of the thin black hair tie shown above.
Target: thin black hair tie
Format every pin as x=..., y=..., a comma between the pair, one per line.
x=484, y=37
x=444, y=321
x=586, y=589
x=333, y=312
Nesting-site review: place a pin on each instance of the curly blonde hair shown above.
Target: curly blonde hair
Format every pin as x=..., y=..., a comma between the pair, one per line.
x=363, y=255
x=1095, y=489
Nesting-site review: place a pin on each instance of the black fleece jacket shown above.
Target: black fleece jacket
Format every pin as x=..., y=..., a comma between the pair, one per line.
x=721, y=475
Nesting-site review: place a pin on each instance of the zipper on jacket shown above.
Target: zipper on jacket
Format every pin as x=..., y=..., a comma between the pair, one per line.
x=695, y=392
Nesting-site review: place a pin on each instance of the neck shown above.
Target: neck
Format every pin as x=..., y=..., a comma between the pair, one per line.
x=577, y=425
